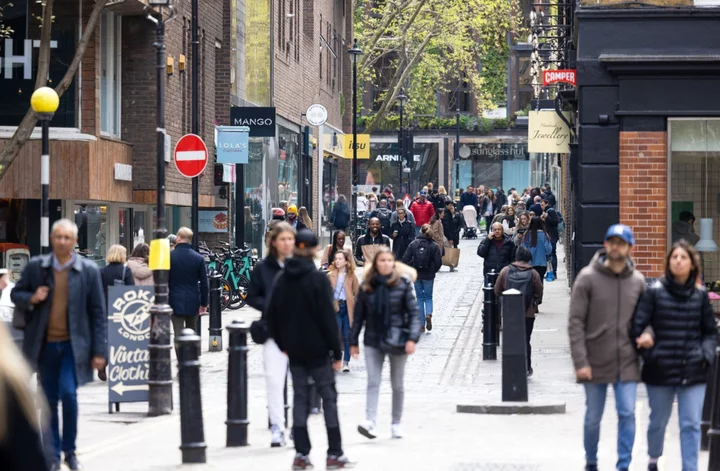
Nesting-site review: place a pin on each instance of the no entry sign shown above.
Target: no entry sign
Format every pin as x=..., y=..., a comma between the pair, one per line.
x=191, y=155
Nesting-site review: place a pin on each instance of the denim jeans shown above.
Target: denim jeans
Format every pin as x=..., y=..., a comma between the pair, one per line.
x=344, y=324
x=690, y=405
x=424, y=293
x=56, y=369
x=553, y=242
x=595, y=395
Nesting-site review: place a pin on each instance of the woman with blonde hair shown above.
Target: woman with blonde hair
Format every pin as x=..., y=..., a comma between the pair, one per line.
x=372, y=202
x=116, y=271
x=345, y=285
x=304, y=217
x=387, y=309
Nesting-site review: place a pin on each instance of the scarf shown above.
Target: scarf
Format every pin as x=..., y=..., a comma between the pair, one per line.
x=381, y=307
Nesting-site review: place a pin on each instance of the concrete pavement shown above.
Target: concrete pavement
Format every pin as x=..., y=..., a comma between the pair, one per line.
x=447, y=370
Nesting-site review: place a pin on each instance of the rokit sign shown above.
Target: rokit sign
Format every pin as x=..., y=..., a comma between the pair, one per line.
x=260, y=120
x=128, y=337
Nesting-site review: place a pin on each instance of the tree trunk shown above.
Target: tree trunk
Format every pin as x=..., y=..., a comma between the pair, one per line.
x=25, y=128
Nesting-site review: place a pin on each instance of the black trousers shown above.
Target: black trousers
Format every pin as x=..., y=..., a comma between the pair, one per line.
x=324, y=378
x=529, y=324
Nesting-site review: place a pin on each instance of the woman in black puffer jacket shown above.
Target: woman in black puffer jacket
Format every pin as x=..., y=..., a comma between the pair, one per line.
x=674, y=327
x=386, y=307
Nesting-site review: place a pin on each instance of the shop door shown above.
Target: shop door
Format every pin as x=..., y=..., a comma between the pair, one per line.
x=515, y=174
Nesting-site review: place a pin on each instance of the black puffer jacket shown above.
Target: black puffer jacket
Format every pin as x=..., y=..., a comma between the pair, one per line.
x=682, y=323
x=433, y=254
x=496, y=259
x=403, y=314
x=261, y=283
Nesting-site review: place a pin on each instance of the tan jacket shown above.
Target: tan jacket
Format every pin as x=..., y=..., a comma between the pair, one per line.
x=142, y=275
x=437, y=233
x=602, y=304
x=352, y=286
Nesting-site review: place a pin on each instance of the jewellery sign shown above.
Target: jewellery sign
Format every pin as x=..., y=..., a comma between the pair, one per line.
x=548, y=133
x=128, y=337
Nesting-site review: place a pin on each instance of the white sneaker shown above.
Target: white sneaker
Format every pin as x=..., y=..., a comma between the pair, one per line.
x=346, y=367
x=367, y=429
x=278, y=437
x=397, y=431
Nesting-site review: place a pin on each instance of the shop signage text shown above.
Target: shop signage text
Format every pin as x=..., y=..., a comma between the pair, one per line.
x=394, y=158
x=25, y=60
x=498, y=151
x=363, y=146
x=232, y=144
x=128, y=337
x=316, y=114
x=547, y=133
x=562, y=76
x=260, y=120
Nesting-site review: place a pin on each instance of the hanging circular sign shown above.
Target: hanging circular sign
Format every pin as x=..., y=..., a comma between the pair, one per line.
x=316, y=114
x=464, y=151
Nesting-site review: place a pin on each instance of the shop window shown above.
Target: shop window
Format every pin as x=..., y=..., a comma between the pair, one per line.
x=110, y=60
x=385, y=167
x=92, y=232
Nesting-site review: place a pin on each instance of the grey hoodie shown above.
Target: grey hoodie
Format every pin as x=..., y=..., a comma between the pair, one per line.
x=602, y=304
x=684, y=230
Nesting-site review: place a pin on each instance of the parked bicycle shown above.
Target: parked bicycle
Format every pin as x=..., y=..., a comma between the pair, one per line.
x=235, y=266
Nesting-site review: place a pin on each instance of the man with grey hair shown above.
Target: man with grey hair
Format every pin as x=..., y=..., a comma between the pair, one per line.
x=62, y=297
x=188, y=283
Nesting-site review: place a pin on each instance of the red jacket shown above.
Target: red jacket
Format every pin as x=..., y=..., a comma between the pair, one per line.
x=422, y=212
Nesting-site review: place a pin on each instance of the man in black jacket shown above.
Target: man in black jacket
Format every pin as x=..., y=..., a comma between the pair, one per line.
x=188, y=283
x=373, y=237
x=303, y=323
x=497, y=250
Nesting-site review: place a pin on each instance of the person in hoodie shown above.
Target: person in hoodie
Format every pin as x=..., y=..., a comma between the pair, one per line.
x=280, y=245
x=520, y=275
x=400, y=204
x=373, y=237
x=303, y=323
x=683, y=229
x=602, y=304
x=425, y=257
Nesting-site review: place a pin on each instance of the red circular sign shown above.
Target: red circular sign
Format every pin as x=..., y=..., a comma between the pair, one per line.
x=191, y=155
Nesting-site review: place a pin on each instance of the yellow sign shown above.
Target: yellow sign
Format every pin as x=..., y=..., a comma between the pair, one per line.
x=547, y=133
x=363, y=146
x=327, y=145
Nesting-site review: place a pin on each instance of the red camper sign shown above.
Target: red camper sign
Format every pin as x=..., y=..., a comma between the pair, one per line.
x=563, y=76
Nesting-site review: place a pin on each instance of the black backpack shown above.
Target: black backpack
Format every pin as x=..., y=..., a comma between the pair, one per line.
x=421, y=255
x=384, y=214
x=521, y=280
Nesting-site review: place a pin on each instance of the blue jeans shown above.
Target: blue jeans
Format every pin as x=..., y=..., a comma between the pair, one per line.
x=595, y=395
x=56, y=369
x=424, y=293
x=344, y=324
x=553, y=242
x=690, y=405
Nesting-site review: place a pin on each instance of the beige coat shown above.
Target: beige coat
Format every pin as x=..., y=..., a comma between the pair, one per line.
x=437, y=233
x=352, y=286
x=142, y=275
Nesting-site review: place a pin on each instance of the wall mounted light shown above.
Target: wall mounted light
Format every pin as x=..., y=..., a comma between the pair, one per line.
x=170, y=65
x=181, y=63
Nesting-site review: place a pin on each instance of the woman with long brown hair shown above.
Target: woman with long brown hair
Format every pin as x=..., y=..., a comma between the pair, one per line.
x=345, y=286
x=490, y=207
x=387, y=309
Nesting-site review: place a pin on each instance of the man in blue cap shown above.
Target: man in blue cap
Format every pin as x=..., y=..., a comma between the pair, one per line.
x=602, y=303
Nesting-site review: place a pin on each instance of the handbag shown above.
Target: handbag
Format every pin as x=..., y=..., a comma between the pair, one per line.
x=451, y=257
x=121, y=281
x=259, y=331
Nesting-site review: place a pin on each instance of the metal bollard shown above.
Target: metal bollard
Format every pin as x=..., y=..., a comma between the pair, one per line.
x=514, y=351
x=237, y=384
x=215, y=328
x=489, y=319
x=160, y=401
x=706, y=412
x=191, y=418
x=492, y=279
x=714, y=432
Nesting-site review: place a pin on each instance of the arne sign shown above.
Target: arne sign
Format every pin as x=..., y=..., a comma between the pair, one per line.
x=9, y=60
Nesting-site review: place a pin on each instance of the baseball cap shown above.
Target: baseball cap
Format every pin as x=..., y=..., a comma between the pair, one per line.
x=423, y=193
x=306, y=239
x=621, y=231
x=292, y=209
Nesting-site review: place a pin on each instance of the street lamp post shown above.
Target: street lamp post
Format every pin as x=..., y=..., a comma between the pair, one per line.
x=402, y=98
x=355, y=52
x=44, y=102
x=457, y=150
x=159, y=371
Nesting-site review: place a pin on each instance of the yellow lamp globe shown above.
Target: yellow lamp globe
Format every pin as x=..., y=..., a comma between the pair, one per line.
x=44, y=100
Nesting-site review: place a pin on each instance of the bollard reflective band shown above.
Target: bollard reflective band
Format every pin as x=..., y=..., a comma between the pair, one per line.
x=159, y=254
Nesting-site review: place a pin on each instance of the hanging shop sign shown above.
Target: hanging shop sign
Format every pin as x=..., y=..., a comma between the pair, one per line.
x=316, y=114
x=232, y=144
x=128, y=338
x=548, y=133
x=560, y=76
x=363, y=146
x=260, y=120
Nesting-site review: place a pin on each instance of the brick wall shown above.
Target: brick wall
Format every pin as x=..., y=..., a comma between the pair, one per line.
x=643, y=191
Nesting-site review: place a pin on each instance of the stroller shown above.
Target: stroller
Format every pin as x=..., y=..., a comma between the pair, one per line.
x=471, y=223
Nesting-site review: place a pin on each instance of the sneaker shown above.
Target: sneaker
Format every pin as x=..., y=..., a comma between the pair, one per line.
x=591, y=467
x=530, y=373
x=338, y=462
x=367, y=429
x=302, y=462
x=653, y=467
x=346, y=367
x=428, y=322
x=397, y=431
x=72, y=462
x=278, y=437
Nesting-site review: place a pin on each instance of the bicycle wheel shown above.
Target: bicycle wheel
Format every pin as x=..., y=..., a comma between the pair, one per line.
x=239, y=297
x=225, y=295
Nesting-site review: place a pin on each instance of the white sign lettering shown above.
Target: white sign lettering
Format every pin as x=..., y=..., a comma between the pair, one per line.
x=24, y=60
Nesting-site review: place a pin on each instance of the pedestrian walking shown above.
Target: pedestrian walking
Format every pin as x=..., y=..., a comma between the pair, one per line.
x=403, y=233
x=372, y=237
x=188, y=283
x=523, y=224
x=280, y=245
x=400, y=204
x=345, y=285
x=340, y=215
x=509, y=222
x=173, y=241
x=292, y=218
x=552, y=219
x=338, y=244
x=387, y=310
x=61, y=296
x=116, y=272
x=674, y=328
x=138, y=265
x=520, y=275
x=362, y=203
x=497, y=250
x=424, y=256
x=303, y=324
x=436, y=228
x=452, y=223
x=304, y=220
x=384, y=214
x=537, y=241
x=469, y=198
x=422, y=210
x=490, y=207
x=602, y=303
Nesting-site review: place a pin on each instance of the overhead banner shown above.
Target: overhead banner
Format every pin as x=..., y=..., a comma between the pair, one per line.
x=547, y=133
x=260, y=120
x=128, y=338
x=363, y=146
x=232, y=144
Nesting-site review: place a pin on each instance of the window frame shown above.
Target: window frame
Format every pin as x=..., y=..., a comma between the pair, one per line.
x=111, y=41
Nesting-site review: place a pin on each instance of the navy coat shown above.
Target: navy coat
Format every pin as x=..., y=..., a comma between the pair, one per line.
x=87, y=320
x=340, y=216
x=188, y=281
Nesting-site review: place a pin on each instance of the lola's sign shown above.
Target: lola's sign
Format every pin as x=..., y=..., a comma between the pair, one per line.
x=560, y=76
x=548, y=133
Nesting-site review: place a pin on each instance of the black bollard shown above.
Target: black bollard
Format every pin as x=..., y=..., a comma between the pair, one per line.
x=215, y=328
x=160, y=401
x=714, y=432
x=237, y=384
x=514, y=350
x=191, y=418
x=489, y=319
x=492, y=279
x=706, y=412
